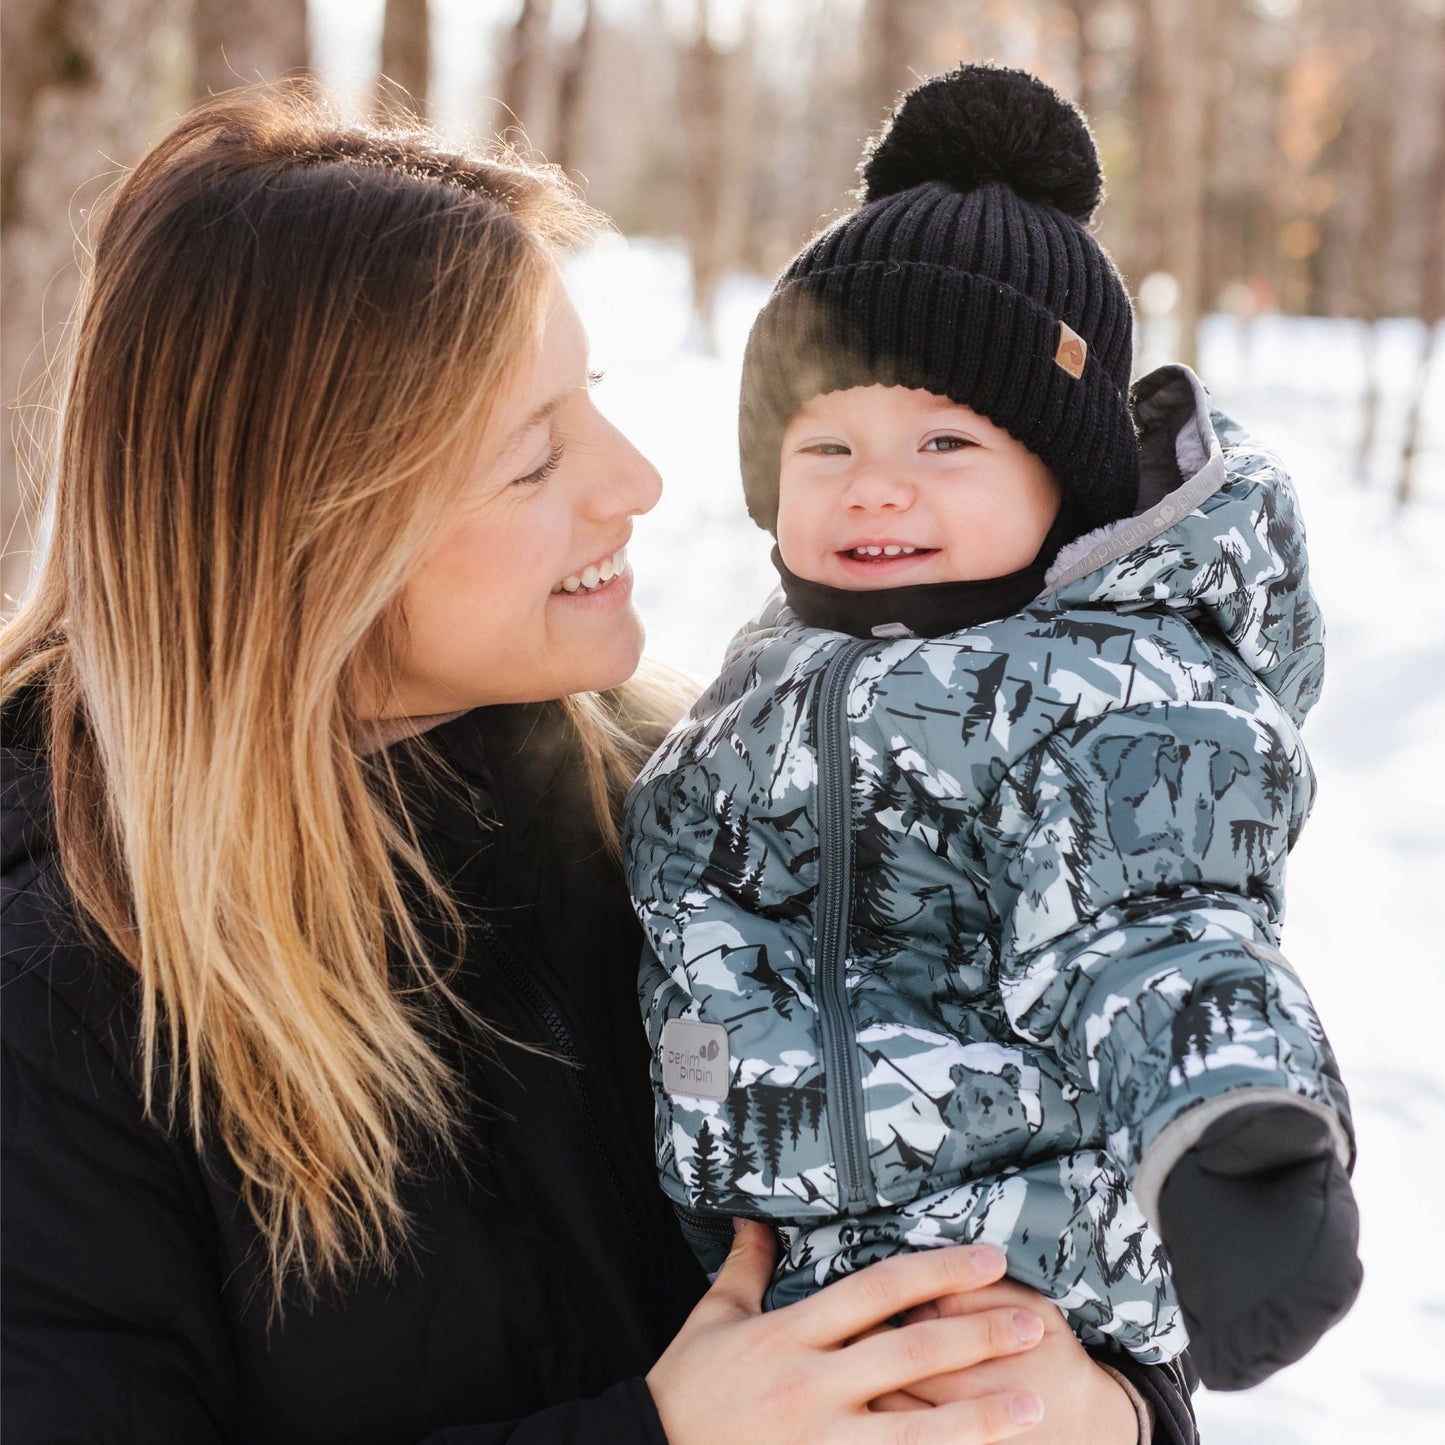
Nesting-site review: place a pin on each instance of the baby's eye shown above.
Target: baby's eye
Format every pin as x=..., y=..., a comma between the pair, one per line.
x=827, y=449
x=947, y=443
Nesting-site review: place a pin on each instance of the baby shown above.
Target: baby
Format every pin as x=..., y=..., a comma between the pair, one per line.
x=963, y=881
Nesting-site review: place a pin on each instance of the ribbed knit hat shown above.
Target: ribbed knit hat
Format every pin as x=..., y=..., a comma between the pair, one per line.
x=967, y=271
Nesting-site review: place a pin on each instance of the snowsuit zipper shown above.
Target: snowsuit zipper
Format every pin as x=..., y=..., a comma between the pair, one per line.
x=835, y=887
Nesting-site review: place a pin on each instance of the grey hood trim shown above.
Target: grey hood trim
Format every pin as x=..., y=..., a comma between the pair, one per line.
x=1200, y=461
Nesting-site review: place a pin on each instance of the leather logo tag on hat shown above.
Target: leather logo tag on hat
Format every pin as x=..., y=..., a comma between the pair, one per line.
x=1073, y=350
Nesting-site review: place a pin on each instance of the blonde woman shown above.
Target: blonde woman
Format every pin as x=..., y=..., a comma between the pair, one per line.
x=325, y=1106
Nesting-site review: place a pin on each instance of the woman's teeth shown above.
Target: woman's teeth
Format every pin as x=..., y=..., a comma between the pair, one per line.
x=889, y=551
x=595, y=577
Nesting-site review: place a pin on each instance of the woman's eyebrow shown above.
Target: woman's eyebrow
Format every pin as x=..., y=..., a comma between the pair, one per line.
x=539, y=415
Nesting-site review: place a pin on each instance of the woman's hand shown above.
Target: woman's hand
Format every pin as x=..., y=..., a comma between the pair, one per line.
x=803, y=1374
x=1083, y=1404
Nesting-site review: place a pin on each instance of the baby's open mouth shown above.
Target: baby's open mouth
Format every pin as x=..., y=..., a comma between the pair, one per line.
x=886, y=552
x=595, y=577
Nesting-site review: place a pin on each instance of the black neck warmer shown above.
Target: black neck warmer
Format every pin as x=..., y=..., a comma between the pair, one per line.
x=928, y=609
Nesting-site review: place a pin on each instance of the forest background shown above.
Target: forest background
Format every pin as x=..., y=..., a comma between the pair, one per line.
x=1264, y=156
x=1277, y=205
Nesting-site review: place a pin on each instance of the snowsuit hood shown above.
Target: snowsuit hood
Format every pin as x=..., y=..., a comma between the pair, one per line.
x=1224, y=540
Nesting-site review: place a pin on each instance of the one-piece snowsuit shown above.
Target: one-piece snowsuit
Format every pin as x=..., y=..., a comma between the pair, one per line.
x=970, y=937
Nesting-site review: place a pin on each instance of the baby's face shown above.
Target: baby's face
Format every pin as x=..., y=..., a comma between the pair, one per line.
x=882, y=486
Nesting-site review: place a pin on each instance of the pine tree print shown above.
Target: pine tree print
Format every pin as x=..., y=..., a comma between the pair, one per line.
x=705, y=1176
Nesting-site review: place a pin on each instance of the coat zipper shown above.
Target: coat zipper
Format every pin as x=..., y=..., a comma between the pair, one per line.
x=835, y=886
x=556, y=1025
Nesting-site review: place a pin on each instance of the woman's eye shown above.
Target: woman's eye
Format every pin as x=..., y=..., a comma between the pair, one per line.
x=947, y=444
x=543, y=472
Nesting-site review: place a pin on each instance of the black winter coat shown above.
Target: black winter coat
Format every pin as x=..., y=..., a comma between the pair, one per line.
x=545, y=1273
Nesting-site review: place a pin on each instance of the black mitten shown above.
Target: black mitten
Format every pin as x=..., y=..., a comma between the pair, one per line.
x=1261, y=1229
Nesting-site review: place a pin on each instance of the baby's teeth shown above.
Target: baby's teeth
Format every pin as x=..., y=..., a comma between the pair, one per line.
x=571, y=584
x=908, y=551
x=590, y=576
x=607, y=571
x=892, y=551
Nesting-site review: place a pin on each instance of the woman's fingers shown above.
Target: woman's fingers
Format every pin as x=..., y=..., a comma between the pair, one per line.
x=878, y=1292
x=999, y=1292
x=895, y=1359
x=740, y=1283
x=972, y=1422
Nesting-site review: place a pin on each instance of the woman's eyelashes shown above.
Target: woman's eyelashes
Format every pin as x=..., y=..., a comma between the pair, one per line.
x=540, y=474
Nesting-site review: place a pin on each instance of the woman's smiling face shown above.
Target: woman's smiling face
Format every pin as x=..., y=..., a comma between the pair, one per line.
x=884, y=486
x=527, y=595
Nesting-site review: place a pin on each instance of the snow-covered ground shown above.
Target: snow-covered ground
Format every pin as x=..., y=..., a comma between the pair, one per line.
x=1367, y=889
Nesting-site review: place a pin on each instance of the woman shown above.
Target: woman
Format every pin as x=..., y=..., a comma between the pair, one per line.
x=325, y=1102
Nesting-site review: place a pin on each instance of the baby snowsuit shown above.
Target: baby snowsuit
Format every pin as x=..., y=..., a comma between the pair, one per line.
x=970, y=938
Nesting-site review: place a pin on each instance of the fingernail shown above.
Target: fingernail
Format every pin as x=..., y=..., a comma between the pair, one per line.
x=1029, y=1329
x=986, y=1259
x=1027, y=1409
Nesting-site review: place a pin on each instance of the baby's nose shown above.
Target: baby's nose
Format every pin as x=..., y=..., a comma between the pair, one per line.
x=876, y=486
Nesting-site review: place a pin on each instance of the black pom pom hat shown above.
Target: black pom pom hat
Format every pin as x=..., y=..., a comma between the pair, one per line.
x=967, y=271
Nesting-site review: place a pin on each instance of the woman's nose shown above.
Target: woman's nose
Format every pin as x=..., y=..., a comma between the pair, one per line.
x=877, y=487
x=624, y=483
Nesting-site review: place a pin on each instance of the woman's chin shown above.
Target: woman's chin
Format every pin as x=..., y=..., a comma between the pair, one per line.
x=604, y=659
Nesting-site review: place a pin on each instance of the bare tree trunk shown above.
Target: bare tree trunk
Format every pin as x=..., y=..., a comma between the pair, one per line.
x=1217, y=34
x=238, y=42
x=528, y=91
x=405, y=55
x=893, y=35
x=1378, y=126
x=1149, y=94
x=1086, y=59
x=81, y=83
x=1183, y=28
x=715, y=105
x=571, y=86
x=1432, y=288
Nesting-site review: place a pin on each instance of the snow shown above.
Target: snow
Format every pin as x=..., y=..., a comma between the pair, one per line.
x=1367, y=886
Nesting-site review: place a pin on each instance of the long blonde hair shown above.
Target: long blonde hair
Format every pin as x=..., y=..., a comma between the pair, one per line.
x=291, y=331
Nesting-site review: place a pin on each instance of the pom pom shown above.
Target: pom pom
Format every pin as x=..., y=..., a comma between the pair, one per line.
x=982, y=123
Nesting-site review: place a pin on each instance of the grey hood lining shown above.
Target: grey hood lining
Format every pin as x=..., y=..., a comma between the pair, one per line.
x=1159, y=398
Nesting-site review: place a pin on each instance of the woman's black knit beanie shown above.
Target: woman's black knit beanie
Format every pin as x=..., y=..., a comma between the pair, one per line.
x=967, y=271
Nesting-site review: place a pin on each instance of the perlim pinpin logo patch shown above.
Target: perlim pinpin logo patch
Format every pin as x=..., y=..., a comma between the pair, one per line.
x=1073, y=351
x=695, y=1059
